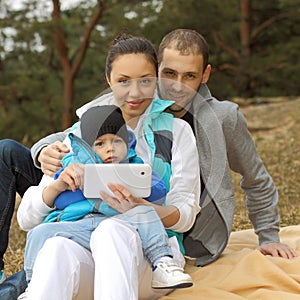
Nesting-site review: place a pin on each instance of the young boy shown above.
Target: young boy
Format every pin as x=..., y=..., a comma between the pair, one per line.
x=105, y=139
x=104, y=129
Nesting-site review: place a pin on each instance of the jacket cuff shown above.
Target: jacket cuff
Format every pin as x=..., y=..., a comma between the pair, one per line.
x=268, y=236
x=35, y=152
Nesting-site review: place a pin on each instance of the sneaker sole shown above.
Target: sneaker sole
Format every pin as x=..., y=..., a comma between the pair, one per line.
x=181, y=285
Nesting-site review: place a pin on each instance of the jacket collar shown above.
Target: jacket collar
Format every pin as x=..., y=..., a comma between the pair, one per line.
x=202, y=96
x=159, y=105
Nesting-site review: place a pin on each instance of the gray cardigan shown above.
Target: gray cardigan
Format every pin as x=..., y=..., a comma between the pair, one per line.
x=224, y=144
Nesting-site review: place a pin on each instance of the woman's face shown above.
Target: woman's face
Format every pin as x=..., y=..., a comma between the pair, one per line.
x=132, y=80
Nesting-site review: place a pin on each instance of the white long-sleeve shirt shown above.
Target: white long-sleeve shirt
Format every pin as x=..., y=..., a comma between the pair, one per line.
x=184, y=190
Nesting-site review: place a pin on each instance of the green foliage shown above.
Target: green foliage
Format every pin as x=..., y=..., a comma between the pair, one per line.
x=31, y=79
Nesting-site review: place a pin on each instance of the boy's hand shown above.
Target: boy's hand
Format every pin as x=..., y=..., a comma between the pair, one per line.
x=71, y=177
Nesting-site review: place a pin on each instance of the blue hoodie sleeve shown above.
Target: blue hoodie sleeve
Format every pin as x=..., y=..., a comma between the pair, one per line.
x=67, y=197
x=158, y=190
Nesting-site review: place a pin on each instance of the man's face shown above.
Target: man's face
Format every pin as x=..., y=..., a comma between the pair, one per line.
x=180, y=77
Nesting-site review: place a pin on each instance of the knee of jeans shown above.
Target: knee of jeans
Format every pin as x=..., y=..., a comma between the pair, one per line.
x=8, y=145
x=8, y=149
x=40, y=233
x=36, y=233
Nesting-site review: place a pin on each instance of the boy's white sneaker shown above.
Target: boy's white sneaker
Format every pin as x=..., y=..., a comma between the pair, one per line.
x=169, y=275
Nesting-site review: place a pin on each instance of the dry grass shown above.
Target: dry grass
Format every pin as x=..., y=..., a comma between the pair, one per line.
x=275, y=128
x=14, y=255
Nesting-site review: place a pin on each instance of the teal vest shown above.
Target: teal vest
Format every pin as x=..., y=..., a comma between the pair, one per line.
x=158, y=131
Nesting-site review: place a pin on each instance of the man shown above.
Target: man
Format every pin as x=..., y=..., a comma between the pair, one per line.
x=224, y=144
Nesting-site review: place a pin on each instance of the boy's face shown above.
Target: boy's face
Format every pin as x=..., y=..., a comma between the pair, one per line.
x=110, y=148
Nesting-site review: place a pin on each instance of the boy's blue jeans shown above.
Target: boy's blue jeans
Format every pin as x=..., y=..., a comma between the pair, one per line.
x=144, y=218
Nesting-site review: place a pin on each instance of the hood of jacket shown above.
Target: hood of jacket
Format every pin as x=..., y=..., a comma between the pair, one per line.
x=83, y=153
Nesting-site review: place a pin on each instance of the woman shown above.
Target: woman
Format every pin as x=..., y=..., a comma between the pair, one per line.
x=112, y=265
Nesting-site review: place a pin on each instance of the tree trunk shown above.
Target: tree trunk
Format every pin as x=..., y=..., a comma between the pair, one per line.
x=68, y=118
x=70, y=70
x=245, y=36
x=246, y=28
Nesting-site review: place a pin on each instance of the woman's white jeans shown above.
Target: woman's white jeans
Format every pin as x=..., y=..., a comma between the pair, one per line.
x=115, y=269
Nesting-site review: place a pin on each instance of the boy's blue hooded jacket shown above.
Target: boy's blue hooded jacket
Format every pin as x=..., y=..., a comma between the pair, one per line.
x=72, y=206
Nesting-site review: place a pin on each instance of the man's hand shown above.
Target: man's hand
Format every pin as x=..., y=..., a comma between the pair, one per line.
x=50, y=157
x=277, y=250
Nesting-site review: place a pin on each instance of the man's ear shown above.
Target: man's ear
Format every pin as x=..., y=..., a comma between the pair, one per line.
x=206, y=74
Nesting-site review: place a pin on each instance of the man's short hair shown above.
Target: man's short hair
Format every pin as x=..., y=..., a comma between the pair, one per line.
x=186, y=41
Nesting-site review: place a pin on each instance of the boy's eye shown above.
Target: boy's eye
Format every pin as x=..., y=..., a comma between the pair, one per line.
x=117, y=141
x=99, y=144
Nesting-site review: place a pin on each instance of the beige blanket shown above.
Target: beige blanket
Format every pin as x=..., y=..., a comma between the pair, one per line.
x=242, y=272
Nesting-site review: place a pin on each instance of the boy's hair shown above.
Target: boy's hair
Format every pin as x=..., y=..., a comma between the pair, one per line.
x=187, y=42
x=100, y=120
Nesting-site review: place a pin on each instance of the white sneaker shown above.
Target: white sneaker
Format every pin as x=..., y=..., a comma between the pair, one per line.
x=169, y=275
x=2, y=276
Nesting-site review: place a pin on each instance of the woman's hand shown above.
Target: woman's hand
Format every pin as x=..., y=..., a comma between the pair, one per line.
x=123, y=200
x=50, y=157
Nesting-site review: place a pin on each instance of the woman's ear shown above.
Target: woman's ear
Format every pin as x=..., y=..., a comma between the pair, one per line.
x=107, y=79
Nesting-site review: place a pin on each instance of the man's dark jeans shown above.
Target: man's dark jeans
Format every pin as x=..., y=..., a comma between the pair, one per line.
x=13, y=286
x=17, y=174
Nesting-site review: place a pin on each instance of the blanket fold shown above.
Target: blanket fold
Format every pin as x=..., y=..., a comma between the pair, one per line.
x=242, y=272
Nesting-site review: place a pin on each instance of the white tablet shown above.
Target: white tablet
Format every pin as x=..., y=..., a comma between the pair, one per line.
x=136, y=178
